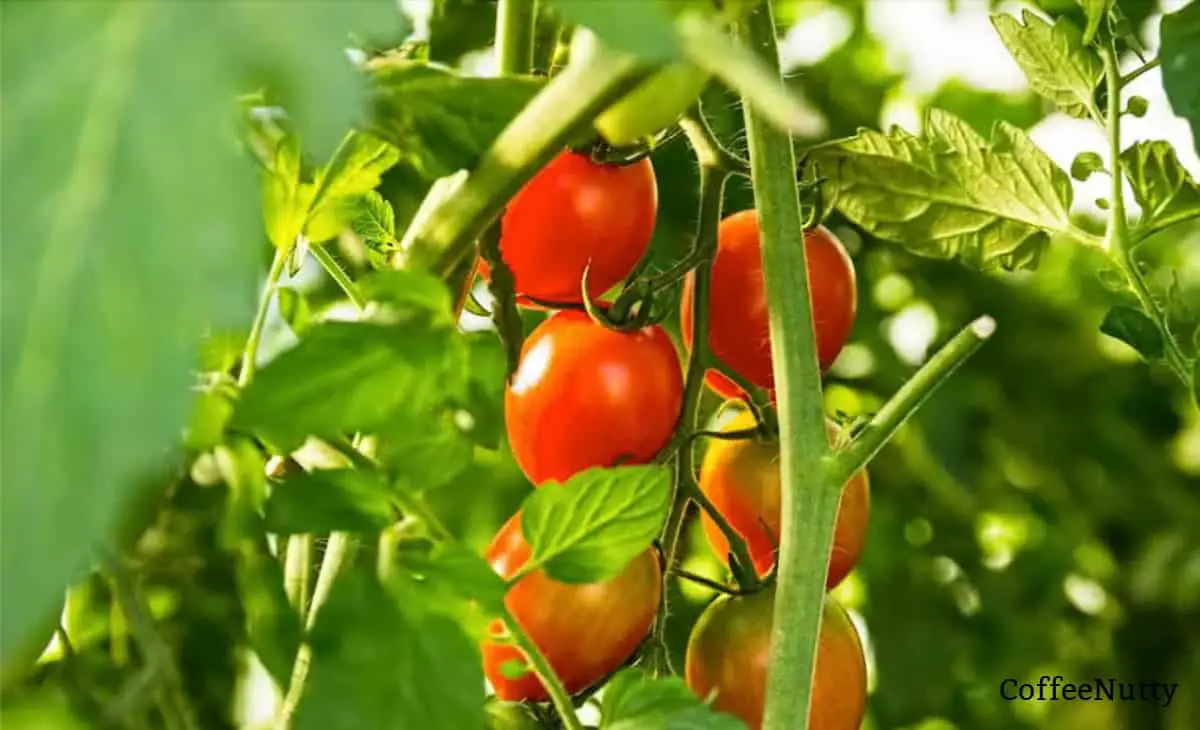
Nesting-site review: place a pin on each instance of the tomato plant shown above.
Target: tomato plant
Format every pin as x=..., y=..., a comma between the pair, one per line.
x=738, y=332
x=584, y=395
x=728, y=656
x=586, y=631
x=741, y=478
x=577, y=215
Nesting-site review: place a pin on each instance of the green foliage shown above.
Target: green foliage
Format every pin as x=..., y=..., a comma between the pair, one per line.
x=1162, y=187
x=1135, y=328
x=1054, y=58
x=1096, y=11
x=328, y=500
x=1181, y=59
x=950, y=193
x=591, y=527
x=642, y=27
x=635, y=701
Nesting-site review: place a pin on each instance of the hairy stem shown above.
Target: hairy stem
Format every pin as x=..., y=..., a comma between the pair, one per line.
x=250, y=353
x=810, y=506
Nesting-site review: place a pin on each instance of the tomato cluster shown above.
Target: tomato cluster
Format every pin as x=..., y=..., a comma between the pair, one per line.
x=587, y=394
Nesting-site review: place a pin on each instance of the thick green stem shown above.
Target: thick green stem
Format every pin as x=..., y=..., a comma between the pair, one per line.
x=540, y=131
x=339, y=275
x=297, y=568
x=250, y=354
x=905, y=402
x=541, y=666
x=515, y=25
x=810, y=507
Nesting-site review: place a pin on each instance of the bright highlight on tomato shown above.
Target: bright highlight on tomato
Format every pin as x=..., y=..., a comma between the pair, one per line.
x=729, y=651
x=743, y=481
x=738, y=329
x=584, y=395
x=586, y=631
x=572, y=213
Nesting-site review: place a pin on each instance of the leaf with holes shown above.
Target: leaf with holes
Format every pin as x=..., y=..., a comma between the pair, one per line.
x=950, y=194
x=589, y=529
x=1054, y=58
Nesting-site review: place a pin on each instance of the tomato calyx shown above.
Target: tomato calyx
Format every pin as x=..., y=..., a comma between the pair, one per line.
x=633, y=309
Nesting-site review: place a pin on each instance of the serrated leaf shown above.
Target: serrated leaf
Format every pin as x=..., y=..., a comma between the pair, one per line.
x=1135, y=329
x=589, y=529
x=377, y=664
x=1162, y=187
x=441, y=119
x=1095, y=11
x=345, y=377
x=355, y=170
x=329, y=500
x=1180, y=55
x=635, y=701
x=1054, y=58
x=374, y=221
x=293, y=307
x=641, y=27
x=950, y=194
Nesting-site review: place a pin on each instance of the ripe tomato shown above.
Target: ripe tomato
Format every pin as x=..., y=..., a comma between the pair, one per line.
x=729, y=652
x=573, y=212
x=586, y=631
x=584, y=395
x=743, y=481
x=738, y=330
x=656, y=103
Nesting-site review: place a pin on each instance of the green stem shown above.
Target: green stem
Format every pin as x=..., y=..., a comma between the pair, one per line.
x=297, y=568
x=809, y=508
x=515, y=26
x=338, y=274
x=1118, y=238
x=338, y=550
x=564, y=106
x=537, y=660
x=1134, y=74
x=900, y=407
x=250, y=353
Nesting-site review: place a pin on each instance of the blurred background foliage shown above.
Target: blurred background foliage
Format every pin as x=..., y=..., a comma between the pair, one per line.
x=1039, y=516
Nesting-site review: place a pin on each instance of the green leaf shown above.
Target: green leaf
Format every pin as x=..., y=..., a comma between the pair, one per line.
x=293, y=307
x=354, y=171
x=950, y=194
x=374, y=221
x=285, y=199
x=378, y=665
x=408, y=291
x=1135, y=329
x=1096, y=11
x=589, y=529
x=442, y=120
x=641, y=27
x=272, y=625
x=1162, y=187
x=1086, y=163
x=635, y=701
x=464, y=573
x=1054, y=58
x=210, y=413
x=329, y=500
x=344, y=377
x=424, y=455
x=1180, y=55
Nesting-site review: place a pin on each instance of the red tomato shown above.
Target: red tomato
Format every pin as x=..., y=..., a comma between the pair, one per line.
x=738, y=331
x=584, y=395
x=743, y=481
x=573, y=212
x=586, y=631
x=729, y=652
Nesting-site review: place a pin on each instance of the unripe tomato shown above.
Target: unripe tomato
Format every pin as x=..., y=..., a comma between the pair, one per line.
x=738, y=330
x=586, y=631
x=743, y=481
x=584, y=395
x=729, y=652
x=655, y=104
x=575, y=211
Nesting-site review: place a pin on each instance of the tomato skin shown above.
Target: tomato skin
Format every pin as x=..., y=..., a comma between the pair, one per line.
x=575, y=211
x=586, y=631
x=738, y=329
x=584, y=395
x=743, y=481
x=729, y=652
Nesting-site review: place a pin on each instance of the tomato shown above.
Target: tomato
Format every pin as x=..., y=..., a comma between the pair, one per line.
x=729, y=650
x=655, y=104
x=743, y=481
x=586, y=631
x=584, y=395
x=575, y=211
x=738, y=330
